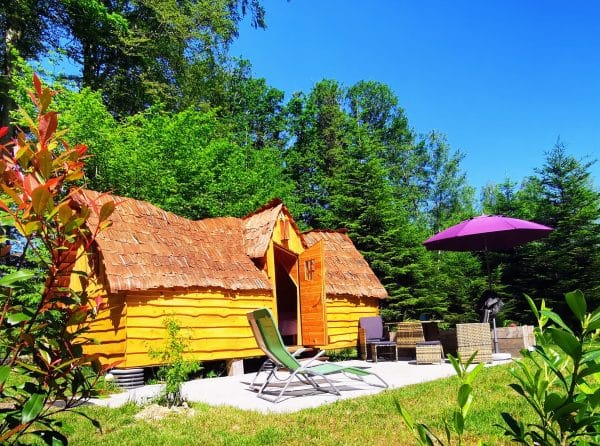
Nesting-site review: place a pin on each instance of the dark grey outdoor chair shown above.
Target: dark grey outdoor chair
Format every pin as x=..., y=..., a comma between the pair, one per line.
x=373, y=337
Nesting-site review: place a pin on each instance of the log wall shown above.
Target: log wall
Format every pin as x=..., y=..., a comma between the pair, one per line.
x=343, y=313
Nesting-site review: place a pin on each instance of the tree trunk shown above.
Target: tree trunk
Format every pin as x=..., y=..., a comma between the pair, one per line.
x=6, y=103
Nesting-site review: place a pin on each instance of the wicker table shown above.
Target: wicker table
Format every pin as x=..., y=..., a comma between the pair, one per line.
x=377, y=345
x=429, y=352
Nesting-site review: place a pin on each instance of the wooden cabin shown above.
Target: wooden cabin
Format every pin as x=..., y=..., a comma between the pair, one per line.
x=151, y=265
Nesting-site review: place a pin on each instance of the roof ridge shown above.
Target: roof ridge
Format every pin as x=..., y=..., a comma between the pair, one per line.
x=271, y=204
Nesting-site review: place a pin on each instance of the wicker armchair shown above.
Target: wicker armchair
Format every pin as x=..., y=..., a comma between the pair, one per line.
x=408, y=334
x=474, y=337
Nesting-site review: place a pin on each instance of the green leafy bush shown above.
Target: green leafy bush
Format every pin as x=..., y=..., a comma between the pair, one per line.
x=560, y=379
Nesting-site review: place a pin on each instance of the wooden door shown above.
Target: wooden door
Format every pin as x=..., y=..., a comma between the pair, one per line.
x=312, y=296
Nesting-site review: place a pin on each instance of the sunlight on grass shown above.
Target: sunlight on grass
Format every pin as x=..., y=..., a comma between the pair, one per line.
x=369, y=420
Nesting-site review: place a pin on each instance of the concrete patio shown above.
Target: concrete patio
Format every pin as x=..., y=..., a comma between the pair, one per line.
x=234, y=391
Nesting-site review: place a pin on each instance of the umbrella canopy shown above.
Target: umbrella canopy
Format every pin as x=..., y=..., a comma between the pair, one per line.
x=487, y=233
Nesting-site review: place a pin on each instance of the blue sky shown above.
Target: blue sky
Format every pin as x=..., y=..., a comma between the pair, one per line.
x=501, y=79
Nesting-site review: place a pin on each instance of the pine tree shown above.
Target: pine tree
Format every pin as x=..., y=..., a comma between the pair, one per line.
x=562, y=196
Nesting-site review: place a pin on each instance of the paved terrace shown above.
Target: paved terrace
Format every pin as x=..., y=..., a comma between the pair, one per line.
x=234, y=391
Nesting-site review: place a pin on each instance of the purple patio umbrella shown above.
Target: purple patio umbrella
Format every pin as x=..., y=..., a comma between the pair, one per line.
x=487, y=233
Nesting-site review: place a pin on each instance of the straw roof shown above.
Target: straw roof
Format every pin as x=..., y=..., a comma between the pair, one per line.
x=259, y=226
x=346, y=270
x=148, y=248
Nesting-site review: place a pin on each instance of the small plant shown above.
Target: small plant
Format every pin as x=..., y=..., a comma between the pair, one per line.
x=456, y=426
x=342, y=354
x=560, y=379
x=175, y=369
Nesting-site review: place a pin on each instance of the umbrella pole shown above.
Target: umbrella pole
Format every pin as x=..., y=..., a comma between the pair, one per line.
x=487, y=266
x=496, y=347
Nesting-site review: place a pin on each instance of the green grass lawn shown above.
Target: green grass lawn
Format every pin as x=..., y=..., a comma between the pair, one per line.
x=371, y=420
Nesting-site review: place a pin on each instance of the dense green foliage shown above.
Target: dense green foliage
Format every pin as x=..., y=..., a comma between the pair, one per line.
x=137, y=52
x=560, y=195
x=197, y=167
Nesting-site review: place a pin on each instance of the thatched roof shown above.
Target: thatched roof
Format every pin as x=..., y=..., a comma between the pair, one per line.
x=148, y=248
x=346, y=270
x=259, y=226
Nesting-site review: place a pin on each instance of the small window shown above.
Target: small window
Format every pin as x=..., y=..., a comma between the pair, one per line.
x=309, y=269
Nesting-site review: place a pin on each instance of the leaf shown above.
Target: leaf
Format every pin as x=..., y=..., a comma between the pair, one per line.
x=405, y=415
x=37, y=84
x=517, y=388
x=40, y=197
x=33, y=407
x=553, y=400
x=30, y=228
x=570, y=409
x=576, y=302
x=44, y=159
x=591, y=369
x=424, y=435
x=106, y=210
x=515, y=427
x=48, y=124
x=459, y=422
x=64, y=213
x=594, y=399
x=447, y=432
x=104, y=225
x=16, y=318
x=12, y=194
x=77, y=318
x=567, y=342
x=456, y=364
x=30, y=124
x=73, y=224
x=556, y=319
x=533, y=307
x=15, y=277
x=594, y=324
x=463, y=394
x=46, y=99
x=4, y=372
x=52, y=438
x=473, y=373
x=584, y=422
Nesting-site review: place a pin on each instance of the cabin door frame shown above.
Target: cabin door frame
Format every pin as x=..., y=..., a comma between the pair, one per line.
x=287, y=295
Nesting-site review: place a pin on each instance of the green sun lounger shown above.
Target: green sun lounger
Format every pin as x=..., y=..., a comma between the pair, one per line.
x=283, y=367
